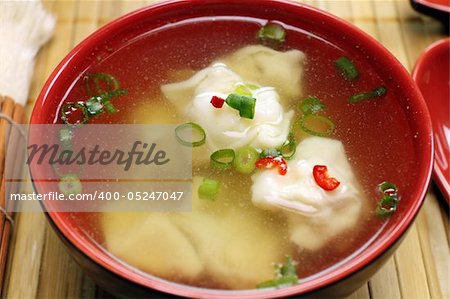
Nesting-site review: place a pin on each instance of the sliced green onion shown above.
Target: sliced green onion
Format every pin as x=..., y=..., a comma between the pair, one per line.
x=386, y=206
x=245, y=159
x=270, y=152
x=288, y=149
x=272, y=34
x=65, y=136
x=285, y=275
x=69, y=110
x=278, y=283
x=208, y=189
x=94, y=105
x=245, y=105
x=96, y=80
x=245, y=89
x=347, y=68
x=242, y=90
x=70, y=184
x=387, y=186
x=317, y=125
x=288, y=268
x=234, y=101
x=109, y=106
x=116, y=93
x=194, y=129
x=247, y=108
x=251, y=86
x=377, y=92
x=388, y=203
x=222, y=159
x=311, y=105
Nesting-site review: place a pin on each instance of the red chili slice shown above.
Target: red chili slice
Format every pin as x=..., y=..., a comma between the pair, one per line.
x=320, y=173
x=271, y=162
x=217, y=102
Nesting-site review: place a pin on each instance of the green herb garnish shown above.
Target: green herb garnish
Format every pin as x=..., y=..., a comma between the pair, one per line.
x=190, y=140
x=285, y=275
x=69, y=114
x=376, y=93
x=317, y=125
x=244, y=104
x=347, y=68
x=311, y=105
x=270, y=152
x=65, y=136
x=244, y=89
x=70, y=184
x=388, y=203
x=101, y=89
x=245, y=159
x=94, y=105
x=288, y=149
x=208, y=189
x=99, y=83
x=272, y=34
x=222, y=159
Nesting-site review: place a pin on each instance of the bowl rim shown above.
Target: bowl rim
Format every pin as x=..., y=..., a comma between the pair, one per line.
x=371, y=253
x=436, y=6
x=419, y=68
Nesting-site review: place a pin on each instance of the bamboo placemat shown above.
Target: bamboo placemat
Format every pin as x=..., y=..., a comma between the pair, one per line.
x=39, y=265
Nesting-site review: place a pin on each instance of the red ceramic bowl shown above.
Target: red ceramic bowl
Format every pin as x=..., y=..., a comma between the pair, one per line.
x=339, y=281
x=432, y=75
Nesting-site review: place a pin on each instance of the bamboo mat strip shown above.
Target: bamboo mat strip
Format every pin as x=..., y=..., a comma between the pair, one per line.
x=86, y=20
x=435, y=252
x=363, y=17
x=420, y=266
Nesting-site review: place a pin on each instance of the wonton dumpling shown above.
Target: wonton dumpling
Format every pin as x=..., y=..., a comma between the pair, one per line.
x=213, y=240
x=231, y=249
x=145, y=239
x=267, y=67
x=217, y=78
x=315, y=215
x=224, y=127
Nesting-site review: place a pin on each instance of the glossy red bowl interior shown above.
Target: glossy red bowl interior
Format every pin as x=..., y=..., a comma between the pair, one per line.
x=432, y=75
x=131, y=25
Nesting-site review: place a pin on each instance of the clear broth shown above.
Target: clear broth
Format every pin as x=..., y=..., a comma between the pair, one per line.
x=369, y=131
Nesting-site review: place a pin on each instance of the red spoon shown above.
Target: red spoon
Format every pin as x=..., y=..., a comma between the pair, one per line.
x=432, y=75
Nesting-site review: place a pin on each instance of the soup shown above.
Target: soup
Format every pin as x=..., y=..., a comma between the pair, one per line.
x=284, y=186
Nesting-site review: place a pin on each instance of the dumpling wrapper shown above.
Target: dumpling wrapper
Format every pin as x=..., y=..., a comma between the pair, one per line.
x=268, y=67
x=144, y=240
x=315, y=215
x=215, y=240
x=224, y=127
